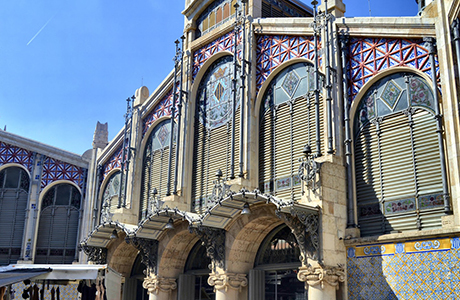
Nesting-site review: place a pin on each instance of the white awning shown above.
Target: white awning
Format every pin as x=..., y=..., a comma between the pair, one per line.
x=19, y=272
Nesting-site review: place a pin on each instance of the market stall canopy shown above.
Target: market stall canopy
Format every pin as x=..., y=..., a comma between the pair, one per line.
x=19, y=272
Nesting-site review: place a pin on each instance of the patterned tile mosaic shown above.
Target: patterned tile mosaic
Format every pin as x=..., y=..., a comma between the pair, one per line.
x=369, y=56
x=163, y=108
x=273, y=50
x=224, y=43
x=112, y=163
x=13, y=154
x=54, y=170
x=425, y=269
x=66, y=292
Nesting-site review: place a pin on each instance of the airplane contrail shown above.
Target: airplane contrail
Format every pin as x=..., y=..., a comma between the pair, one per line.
x=40, y=30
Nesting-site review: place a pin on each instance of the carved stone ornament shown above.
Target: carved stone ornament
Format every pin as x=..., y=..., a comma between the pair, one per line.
x=228, y=280
x=314, y=276
x=154, y=284
x=214, y=241
x=305, y=227
x=97, y=255
x=148, y=250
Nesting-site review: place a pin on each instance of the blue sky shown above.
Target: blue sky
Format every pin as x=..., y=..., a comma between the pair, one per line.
x=64, y=65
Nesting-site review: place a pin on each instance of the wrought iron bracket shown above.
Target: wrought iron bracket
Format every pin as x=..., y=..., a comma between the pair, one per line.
x=304, y=223
x=97, y=255
x=214, y=241
x=148, y=250
x=220, y=190
x=309, y=168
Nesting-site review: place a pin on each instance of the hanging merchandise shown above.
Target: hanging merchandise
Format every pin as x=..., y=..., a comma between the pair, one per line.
x=52, y=294
x=35, y=291
x=58, y=294
x=87, y=293
x=2, y=291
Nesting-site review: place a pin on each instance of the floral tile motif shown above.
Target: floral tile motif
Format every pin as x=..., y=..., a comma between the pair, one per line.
x=13, y=154
x=54, y=170
x=273, y=50
x=424, y=269
x=391, y=93
x=420, y=94
x=369, y=56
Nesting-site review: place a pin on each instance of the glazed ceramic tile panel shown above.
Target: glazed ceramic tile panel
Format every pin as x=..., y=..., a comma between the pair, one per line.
x=273, y=50
x=163, y=108
x=423, y=269
x=369, y=56
x=113, y=163
x=54, y=170
x=224, y=43
x=13, y=154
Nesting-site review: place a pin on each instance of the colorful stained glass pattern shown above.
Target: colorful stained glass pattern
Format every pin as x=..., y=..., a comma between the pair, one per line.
x=369, y=56
x=215, y=94
x=223, y=43
x=54, y=170
x=420, y=94
x=391, y=94
x=290, y=83
x=13, y=154
x=405, y=270
x=399, y=206
x=272, y=50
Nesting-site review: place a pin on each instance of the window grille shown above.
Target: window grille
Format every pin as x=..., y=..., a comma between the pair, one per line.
x=155, y=164
x=58, y=225
x=14, y=189
x=288, y=122
x=212, y=134
x=397, y=160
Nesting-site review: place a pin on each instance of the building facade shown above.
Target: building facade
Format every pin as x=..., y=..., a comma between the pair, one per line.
x=290, y=154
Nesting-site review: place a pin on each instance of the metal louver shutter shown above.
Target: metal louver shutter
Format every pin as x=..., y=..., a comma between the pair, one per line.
x=368, y=185
x=212, y=152
x=145, y=185
x=13, y=204
x=266, y=152
x=428, y=166
x=398, y=174
x=283, y=152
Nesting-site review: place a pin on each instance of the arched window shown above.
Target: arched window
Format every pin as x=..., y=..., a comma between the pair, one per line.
x=14, y=191
x=214, y=15
x=287, y=123
x=397, y=160
x=58, y=226
x=110, y=196
x=278, y=258
x=156, y=164
x=213, y=132
x=198, y=264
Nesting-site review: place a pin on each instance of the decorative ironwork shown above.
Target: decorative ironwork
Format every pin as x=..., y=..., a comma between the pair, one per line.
x=148, y=250
x=220, y=189
x=154, y=201
x=106, y=215
x=214, y=241
x=97, y=255
x=305, y=227
x=308, y=168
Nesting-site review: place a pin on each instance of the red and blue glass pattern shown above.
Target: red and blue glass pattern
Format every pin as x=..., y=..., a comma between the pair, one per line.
x=13, y=154
x=273, y=50
x=54, y=170
x=369, y=56
x=224, y=43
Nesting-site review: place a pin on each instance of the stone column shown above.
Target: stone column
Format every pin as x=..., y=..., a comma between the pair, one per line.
x=321, y=281
x=159, y=288
x=228, y=286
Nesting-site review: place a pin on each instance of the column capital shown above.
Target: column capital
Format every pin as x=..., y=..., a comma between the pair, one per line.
x=227, y=280
x=154, y=284
x=318, y=275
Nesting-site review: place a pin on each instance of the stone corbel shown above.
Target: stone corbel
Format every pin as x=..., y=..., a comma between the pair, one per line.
x=314, y=276
x=154, y=284
x=97, y=255
x=227, y=280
